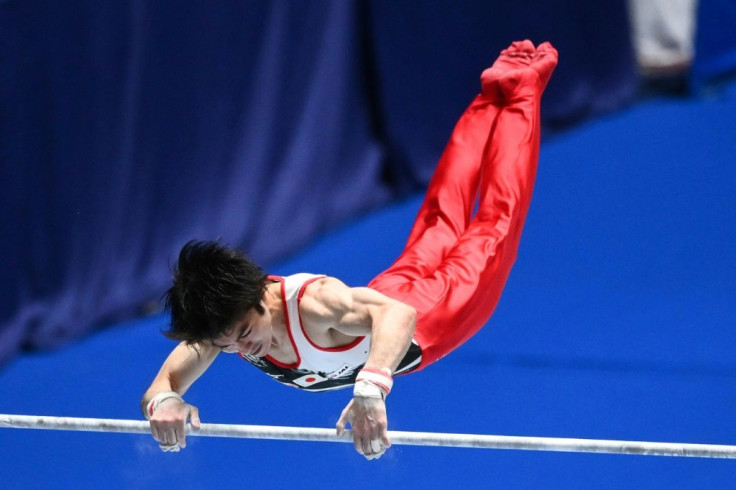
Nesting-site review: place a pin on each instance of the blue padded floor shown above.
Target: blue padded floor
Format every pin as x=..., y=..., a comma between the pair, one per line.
x=618, y=322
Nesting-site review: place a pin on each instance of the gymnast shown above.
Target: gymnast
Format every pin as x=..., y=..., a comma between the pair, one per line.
x=315, y=333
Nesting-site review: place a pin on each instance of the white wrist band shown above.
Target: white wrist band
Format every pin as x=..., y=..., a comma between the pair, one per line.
x=373, y=383
x=160, y=397
x=366, y=389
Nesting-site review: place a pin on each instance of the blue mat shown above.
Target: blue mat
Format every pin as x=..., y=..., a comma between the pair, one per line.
x=617, y=323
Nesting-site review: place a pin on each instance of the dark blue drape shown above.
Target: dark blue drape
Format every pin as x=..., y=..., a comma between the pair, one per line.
x=715, y=42
x=428, y=62
x=128, y=128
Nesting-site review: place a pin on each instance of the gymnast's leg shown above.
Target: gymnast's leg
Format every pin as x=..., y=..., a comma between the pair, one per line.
x=448, y=204
x=474, y=271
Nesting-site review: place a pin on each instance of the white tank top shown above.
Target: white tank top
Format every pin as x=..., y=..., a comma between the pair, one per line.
x=318, y=368
x=335, y=361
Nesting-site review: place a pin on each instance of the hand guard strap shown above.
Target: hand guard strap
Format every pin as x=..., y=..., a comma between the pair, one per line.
x=158, y=398
x=373, y=383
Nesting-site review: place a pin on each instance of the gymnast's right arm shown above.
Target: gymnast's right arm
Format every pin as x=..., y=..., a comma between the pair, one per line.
x=162, y=403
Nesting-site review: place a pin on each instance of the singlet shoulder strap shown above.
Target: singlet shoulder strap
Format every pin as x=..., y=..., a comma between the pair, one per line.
x=294, y=287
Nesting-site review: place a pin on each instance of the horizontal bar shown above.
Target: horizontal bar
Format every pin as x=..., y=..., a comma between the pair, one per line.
x=397, y=437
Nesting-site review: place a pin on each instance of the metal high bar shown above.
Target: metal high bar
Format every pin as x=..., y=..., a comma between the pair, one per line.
x=396, y=437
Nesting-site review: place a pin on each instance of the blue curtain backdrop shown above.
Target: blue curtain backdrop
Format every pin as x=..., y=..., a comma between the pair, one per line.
x=715, y=42
x=128, y=128
x=428, y=62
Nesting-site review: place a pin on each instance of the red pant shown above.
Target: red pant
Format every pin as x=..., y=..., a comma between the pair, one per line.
x=455, y=264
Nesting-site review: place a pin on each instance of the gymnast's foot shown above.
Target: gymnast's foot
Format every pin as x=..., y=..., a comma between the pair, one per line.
x=519, y=70
x=544, y=62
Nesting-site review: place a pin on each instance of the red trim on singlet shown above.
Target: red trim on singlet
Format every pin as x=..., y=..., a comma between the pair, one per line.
x=341, y=348
x=288, y=329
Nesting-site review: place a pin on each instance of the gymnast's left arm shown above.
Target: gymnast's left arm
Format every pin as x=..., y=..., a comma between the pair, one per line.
x=391, y=324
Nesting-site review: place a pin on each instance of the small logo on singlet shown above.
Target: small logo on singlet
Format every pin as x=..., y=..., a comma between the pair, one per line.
x=344, y=370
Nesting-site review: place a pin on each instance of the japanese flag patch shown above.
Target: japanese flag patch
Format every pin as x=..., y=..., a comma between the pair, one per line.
x=308, y=380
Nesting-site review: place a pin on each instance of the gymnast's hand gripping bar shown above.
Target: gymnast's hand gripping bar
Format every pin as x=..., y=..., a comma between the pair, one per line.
x=397, y=437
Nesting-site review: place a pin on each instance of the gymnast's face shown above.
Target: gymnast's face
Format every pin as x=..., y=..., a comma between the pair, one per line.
x=252, y=334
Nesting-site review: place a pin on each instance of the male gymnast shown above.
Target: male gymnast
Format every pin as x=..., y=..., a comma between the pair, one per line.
x=315, y=333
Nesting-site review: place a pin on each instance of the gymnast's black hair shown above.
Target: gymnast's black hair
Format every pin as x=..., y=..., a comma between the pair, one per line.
x=213, y=286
